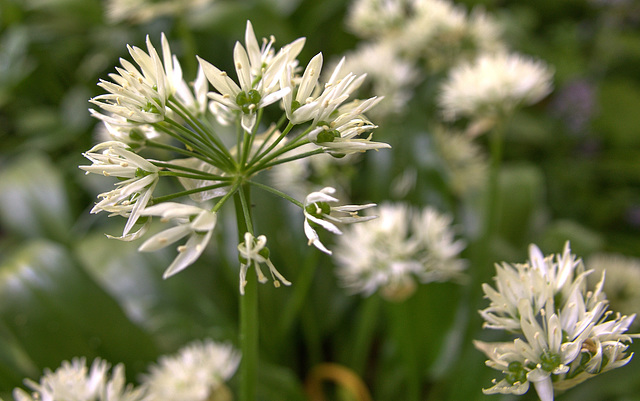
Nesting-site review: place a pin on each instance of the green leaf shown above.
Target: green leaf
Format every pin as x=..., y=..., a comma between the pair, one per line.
x=33, y=201
x=54, y=311
x=179, y=309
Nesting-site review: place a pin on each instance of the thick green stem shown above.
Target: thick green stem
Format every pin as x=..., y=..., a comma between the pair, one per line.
x=248, y=308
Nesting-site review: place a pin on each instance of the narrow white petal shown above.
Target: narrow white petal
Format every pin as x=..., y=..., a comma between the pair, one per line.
x=194, y=247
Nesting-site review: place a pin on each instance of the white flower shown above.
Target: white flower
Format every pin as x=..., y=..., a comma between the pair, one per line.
x=336, y=91
x=494, y=84
x=317, y=211
x=193, y=221
x=195, y=100
x=305, y=88
x=394, y=251
x=535, y=281
x=565, y=336
x=254, y=251
x=440, y=249
x=73, y=381
x=389, y=74
x=134, y=136
x=140, y=95
x=374, y=18
x=338, y=135
x=196, y=372
x=259, y=70
x=335, y=124
x=132, y=194
x=432, y=22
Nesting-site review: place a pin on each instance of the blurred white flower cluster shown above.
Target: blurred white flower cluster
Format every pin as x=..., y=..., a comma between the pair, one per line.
x=149, y=108
x=458, y=54
x=565, y=333
x=436, y=32
x=197, y=372
x=74, y=381
x=493, y=85
x=403, y=246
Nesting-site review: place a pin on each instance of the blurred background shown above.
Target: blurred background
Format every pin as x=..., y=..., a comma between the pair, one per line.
x=571, y=171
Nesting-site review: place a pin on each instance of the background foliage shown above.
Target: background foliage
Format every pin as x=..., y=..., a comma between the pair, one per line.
x=571, y=172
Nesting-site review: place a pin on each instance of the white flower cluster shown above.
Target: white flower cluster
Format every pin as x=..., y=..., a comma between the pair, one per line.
x=408, y=38
x=197, y=372
x=74, y=381
x=566, y=334
x=399, y=248
x=149, y=107
x=436, y=31
x=494, y=84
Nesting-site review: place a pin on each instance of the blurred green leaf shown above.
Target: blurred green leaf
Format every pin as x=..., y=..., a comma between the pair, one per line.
x=56, y=312
x=175, y=310
x=33, y=201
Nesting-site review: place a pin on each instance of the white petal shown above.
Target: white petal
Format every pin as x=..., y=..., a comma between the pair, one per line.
x=165, y=238
x=194, y=247
x=312, y=235
x=243, y=67
x=543, y=387
x=248, y=121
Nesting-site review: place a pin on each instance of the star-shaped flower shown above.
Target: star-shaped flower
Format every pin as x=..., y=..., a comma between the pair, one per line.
x=132, y=194
x=258, y=70
x=254, y=251
x=318, y=212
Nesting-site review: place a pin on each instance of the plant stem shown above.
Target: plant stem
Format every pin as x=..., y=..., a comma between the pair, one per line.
x=248, y=309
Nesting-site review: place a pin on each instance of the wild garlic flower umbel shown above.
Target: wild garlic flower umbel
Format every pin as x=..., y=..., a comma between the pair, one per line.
x=494, y=84
x=403, y=246
x=213, y=143
x=565, y=334
x=75, y=381
x=197, y=372
x=436, y=32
